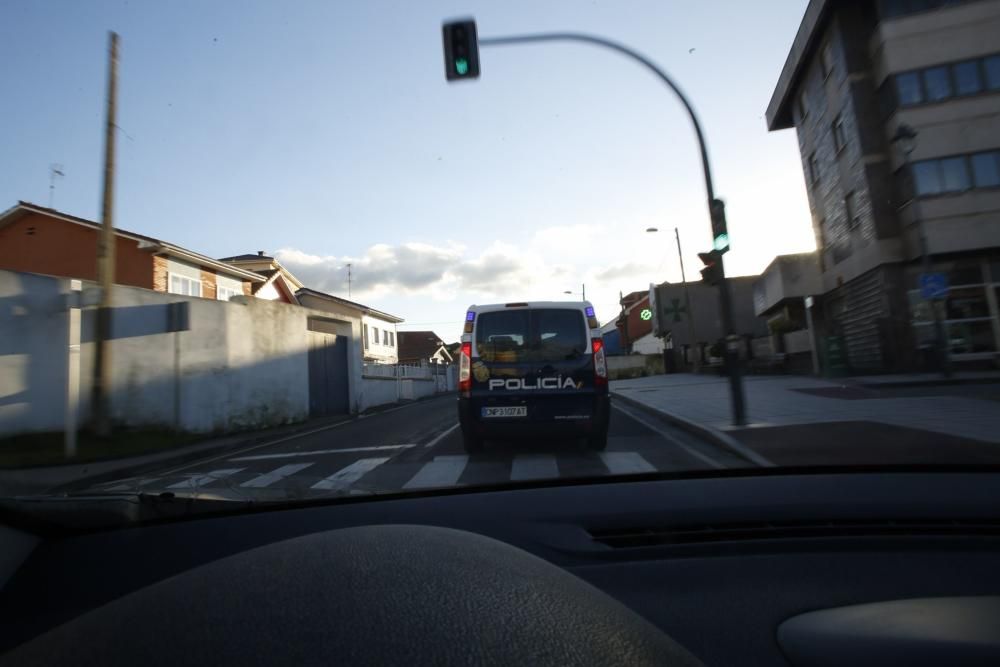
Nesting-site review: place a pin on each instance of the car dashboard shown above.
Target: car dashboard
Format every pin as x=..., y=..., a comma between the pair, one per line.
x=774, y=568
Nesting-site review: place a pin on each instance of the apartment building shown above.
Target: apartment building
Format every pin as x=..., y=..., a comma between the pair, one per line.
x=858, y=72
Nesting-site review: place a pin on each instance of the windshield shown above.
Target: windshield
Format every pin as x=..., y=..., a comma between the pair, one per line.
x=259, y=253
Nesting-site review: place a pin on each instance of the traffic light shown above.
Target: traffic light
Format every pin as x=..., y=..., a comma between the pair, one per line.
x=461, y=50
x=712, y=273
x=720, y=234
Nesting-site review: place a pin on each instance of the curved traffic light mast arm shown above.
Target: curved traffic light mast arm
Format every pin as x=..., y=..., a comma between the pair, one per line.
x=635, y=55
x=715, y=209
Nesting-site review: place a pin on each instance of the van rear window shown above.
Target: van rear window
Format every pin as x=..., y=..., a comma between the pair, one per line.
x=542, y=335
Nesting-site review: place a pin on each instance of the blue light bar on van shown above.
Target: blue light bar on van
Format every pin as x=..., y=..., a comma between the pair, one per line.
x=470, y=316
x=590, y=311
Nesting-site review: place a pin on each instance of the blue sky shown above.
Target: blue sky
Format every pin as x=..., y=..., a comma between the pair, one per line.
x=326, y=133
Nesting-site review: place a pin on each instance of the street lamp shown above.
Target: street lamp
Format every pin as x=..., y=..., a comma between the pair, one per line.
x=696, y=355
x=583, y=292
x=906, y=140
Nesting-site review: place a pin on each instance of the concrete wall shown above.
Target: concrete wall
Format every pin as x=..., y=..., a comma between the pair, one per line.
x=635, y=365
x=378, y=391
x=241, y=364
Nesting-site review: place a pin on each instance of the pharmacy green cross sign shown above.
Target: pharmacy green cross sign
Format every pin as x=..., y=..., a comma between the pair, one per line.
x=675, y=308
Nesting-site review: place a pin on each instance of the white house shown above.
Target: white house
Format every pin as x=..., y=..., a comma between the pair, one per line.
x=381, y=344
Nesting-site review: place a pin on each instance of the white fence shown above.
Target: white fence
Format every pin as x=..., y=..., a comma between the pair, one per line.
x=397, y=370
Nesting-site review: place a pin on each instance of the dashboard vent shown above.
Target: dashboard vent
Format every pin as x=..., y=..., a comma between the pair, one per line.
x=630, y=538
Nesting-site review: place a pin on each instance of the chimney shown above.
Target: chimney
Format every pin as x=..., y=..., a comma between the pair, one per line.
x=260, y=253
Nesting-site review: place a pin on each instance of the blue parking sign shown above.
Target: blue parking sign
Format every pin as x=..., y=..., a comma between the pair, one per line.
x=933, y=285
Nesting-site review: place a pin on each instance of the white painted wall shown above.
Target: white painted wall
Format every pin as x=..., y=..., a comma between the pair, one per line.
x=242, y=364
x=268, y=292
x=648, y=344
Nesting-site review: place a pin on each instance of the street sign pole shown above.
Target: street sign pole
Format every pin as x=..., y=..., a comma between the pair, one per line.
x=725, y=304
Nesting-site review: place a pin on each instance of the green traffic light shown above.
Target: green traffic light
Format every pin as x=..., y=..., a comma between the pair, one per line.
x=461, y=65
x=721, y=242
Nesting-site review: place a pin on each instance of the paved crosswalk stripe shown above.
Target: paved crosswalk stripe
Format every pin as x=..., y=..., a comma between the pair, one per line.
x=347, y=476
x=442, y=471
x=533, y=466
x=203, y=480
x=625, y=463
x=347, y=450
x=275, y=475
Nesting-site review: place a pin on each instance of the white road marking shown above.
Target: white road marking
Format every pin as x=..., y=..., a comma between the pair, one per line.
x=202, y=480
x=318, y=452
x=442, y=471
x=347, y=476
x=626, y=463
x=533, y=466
x=275, y=475
x=440, y=437
x=666, y=436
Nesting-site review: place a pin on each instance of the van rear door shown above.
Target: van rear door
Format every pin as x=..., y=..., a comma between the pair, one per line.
x=532, y=364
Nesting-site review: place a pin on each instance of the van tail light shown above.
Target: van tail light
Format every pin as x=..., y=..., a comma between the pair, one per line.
x=465, y=369
x=600, y=363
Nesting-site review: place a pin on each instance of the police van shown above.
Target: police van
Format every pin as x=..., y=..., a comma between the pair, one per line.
x=532, y=369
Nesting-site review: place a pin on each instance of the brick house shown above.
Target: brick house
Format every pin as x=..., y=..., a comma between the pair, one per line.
x=35, y=239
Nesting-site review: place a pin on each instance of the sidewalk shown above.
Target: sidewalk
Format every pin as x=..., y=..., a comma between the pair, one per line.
x=790, y=400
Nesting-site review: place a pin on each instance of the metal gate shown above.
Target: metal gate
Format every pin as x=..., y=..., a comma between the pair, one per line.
x=328, y=378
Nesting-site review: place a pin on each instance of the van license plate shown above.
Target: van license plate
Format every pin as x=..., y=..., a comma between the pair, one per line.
x=515, y=411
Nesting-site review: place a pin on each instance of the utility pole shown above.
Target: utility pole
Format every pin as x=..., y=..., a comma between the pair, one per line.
x=696, y=355
x=583, y=291
x=348, y=280
x=100, y=406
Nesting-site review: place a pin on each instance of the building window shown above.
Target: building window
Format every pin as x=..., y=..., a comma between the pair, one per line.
x=813, y=169
x=184, y=285
x=826, y=59
x=908, y=89
x=226, y=293
x=954, y=174
x=374, y=335
x=392, y=339
x=937, y=83
x=991, y=66
x=986, y=169
x=839, y=136
x=944, y=175
x=364, y=337
x=850, y=207
x=967, y=79
x=385, y=336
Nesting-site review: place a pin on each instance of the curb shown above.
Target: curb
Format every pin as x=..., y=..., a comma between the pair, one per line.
x=942, y=382
x=709, y=433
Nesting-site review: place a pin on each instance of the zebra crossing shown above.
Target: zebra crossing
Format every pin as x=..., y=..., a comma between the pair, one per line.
x=386, y=474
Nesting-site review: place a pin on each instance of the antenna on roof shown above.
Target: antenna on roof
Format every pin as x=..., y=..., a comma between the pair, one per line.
x=54, y=171
x=348, y=280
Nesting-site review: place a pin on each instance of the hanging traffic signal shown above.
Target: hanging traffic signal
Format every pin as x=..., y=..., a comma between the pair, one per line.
x=720, y=233
x=461, y=50
x=712, y=273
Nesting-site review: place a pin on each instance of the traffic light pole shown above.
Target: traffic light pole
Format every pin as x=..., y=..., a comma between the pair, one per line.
x=725, y=303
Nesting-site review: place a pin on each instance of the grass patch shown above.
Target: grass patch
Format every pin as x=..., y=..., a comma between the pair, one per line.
x=47, y=449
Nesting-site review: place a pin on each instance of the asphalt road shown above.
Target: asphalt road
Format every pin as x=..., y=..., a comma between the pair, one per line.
x=418, y=446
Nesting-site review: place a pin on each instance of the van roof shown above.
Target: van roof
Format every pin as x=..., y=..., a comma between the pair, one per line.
x=581, y=305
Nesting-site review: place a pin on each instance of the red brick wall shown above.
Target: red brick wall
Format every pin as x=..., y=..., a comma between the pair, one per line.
x=37, y=243
x=635, y=327
x=208, y=285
